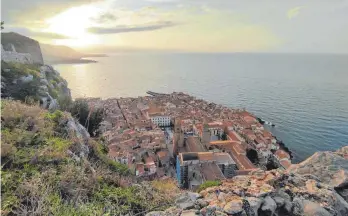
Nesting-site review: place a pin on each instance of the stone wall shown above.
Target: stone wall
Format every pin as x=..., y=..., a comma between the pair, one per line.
x=13, y=56
x=18, y=48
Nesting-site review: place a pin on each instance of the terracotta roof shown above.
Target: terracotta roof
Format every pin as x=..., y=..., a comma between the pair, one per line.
x=232, y=136
x=205, y=156
x=211, y=172
x=285, y=163
x=281, y=154
x=154, y=110
x=249, y=119
x=162, y=154
x=194, y=145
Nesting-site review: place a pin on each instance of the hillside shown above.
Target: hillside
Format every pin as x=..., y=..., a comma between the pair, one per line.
x=34, y=83
x=62, y=54
x=50, y=166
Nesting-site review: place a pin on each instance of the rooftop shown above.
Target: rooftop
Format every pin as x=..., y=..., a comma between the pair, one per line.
x=220, y=158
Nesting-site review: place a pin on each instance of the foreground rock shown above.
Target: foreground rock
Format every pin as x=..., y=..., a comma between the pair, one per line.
x=309, y=188
x=330, y=168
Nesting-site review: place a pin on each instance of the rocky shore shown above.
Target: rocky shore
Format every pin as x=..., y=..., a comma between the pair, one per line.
x=317, y=186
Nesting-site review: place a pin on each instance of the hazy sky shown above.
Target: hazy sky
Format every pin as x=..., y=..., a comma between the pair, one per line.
x=192, y=25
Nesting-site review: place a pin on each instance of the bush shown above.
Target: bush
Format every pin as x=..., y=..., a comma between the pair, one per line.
x=30, y=89
x=65, y=102
x=208, y=184
x=88, y=117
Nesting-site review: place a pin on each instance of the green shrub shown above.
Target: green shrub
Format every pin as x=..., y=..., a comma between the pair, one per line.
x=208, y=184
x=53, y=92
x=87, y=116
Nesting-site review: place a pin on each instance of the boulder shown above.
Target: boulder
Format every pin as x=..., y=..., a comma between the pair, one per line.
x=234, y=207
x=76, y=130
x=194, y=196
x=26, y=79
x=330, y=167
x=188, y=213
x=222, y=196
x=268, y=206
x=279, y=201
x=297, y=209
x=185, y=202
x=253, y=205
x=341, y=206
x=173, y=211
x=314, y=209
x=201, y=203
x=156, y=213
x=219, y=213
x=44, y=82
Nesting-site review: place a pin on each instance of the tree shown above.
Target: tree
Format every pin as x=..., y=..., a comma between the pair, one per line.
x=88, y=117
x=2, y=25
x=224, y=136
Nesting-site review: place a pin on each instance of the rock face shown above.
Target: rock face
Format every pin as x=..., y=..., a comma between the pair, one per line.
x=308, y=188
x=18, y=48
x=42, y=83
x=330, y=167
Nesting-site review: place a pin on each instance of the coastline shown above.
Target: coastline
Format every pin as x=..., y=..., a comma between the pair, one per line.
x=72, y=61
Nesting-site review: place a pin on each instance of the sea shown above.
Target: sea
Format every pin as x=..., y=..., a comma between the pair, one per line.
x=304, y=95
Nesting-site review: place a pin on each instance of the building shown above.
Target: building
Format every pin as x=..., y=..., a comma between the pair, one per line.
x=161, y=120
x=282, y=159
x=158, y=116
x=237, y=153
x=194, y=168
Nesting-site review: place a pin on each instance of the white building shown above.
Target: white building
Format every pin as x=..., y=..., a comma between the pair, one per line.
x=161, y=120
x=158, y=116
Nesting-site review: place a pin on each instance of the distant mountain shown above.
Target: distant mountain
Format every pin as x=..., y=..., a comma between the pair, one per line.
x=53, y=54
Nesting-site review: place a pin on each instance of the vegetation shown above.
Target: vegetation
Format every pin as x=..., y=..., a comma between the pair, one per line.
x=2, y=25
x=208, y=184
x=12, y=73
x=87, y=116
x=43, y=174
x=252, y=156
x=224, y=136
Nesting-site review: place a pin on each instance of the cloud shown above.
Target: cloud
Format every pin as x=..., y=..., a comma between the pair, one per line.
x=37, y=34
x=294, y=12
x=125, y=29
x=23, y=12
x=105, y=17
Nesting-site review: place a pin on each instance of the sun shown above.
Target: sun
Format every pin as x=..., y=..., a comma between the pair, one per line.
x=73, y=23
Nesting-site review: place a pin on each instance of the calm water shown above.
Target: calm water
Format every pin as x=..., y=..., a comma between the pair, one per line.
x=306, y=96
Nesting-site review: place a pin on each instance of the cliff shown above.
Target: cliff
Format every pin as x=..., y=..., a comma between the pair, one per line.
x=34, y=83
x=18, y=48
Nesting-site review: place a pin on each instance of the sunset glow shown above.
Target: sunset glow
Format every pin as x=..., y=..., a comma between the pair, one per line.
x=73, y=24
x=193, y=26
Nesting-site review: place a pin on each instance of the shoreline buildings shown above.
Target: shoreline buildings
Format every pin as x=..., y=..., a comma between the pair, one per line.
x=180, y=136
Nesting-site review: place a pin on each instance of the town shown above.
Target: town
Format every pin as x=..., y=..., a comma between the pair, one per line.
x=179, y=136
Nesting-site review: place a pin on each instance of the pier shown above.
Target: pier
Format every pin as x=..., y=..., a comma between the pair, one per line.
x=155, y=93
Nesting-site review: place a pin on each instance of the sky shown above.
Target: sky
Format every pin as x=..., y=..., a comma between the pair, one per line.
x=289, y=26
